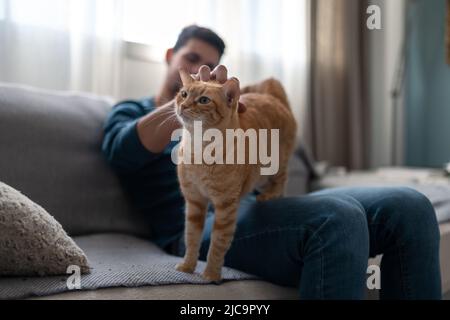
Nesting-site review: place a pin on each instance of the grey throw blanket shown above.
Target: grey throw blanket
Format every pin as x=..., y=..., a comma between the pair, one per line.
x=117, y=261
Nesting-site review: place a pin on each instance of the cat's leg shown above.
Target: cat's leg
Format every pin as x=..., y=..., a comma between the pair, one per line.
x=196, y=209
x=222, y=235
x=274, y=187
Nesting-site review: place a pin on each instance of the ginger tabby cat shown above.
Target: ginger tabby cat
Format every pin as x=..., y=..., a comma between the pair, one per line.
x=218, y=106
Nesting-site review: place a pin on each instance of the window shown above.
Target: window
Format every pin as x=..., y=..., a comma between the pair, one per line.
x=157, y=23
x=36, y=13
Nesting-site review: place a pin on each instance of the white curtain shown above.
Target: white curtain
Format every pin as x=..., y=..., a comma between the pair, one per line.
x=78, y=44
x=62, y=44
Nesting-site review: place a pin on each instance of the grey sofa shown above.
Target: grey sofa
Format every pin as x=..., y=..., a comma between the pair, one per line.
x=50, y=151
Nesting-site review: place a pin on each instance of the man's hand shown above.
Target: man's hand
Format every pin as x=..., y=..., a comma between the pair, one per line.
x=219, y=74
x=155, y=129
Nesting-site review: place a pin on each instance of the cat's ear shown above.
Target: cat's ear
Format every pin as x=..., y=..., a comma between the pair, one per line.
x=186, y=78
x=232, y=91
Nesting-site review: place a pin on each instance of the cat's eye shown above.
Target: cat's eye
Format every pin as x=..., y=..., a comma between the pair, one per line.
x=204, y=100
x=184, y=94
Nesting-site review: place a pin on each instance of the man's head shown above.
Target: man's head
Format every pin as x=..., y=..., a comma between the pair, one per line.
x=196, y=46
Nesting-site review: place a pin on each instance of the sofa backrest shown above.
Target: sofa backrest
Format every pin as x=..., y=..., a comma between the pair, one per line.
x=50, y=150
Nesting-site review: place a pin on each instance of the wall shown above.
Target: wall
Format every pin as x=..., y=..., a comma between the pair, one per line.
x=141, y=78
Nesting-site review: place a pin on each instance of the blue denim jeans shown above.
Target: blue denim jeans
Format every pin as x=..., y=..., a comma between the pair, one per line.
x=321, y=242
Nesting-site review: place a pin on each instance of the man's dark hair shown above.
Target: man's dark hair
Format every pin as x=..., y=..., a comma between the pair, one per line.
x=201, y=33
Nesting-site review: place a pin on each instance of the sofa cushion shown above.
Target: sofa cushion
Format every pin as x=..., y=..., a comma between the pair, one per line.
x=232, y=290
x=50, y=147
x=31, y=241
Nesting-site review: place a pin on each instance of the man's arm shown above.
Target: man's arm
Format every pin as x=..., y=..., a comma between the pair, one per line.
x=133, y=137
x=155, y=129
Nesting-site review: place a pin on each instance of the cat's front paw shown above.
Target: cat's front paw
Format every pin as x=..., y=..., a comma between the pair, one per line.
x=186, y=268
x=213, y=276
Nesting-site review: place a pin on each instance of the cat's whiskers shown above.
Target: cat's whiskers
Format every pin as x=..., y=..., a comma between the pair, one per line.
x=169, y=120
x=162, y=114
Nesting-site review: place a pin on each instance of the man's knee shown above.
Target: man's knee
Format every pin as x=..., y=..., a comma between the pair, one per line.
x=411, y=213
x=342, y=211
x=344, y=219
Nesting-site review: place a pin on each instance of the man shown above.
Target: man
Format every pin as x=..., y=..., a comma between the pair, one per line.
x=319, y=243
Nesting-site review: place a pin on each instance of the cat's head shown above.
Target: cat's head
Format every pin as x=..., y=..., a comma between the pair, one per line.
x=210, y=102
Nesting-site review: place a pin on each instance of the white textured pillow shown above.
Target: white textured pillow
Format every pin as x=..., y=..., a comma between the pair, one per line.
x=32, y=242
